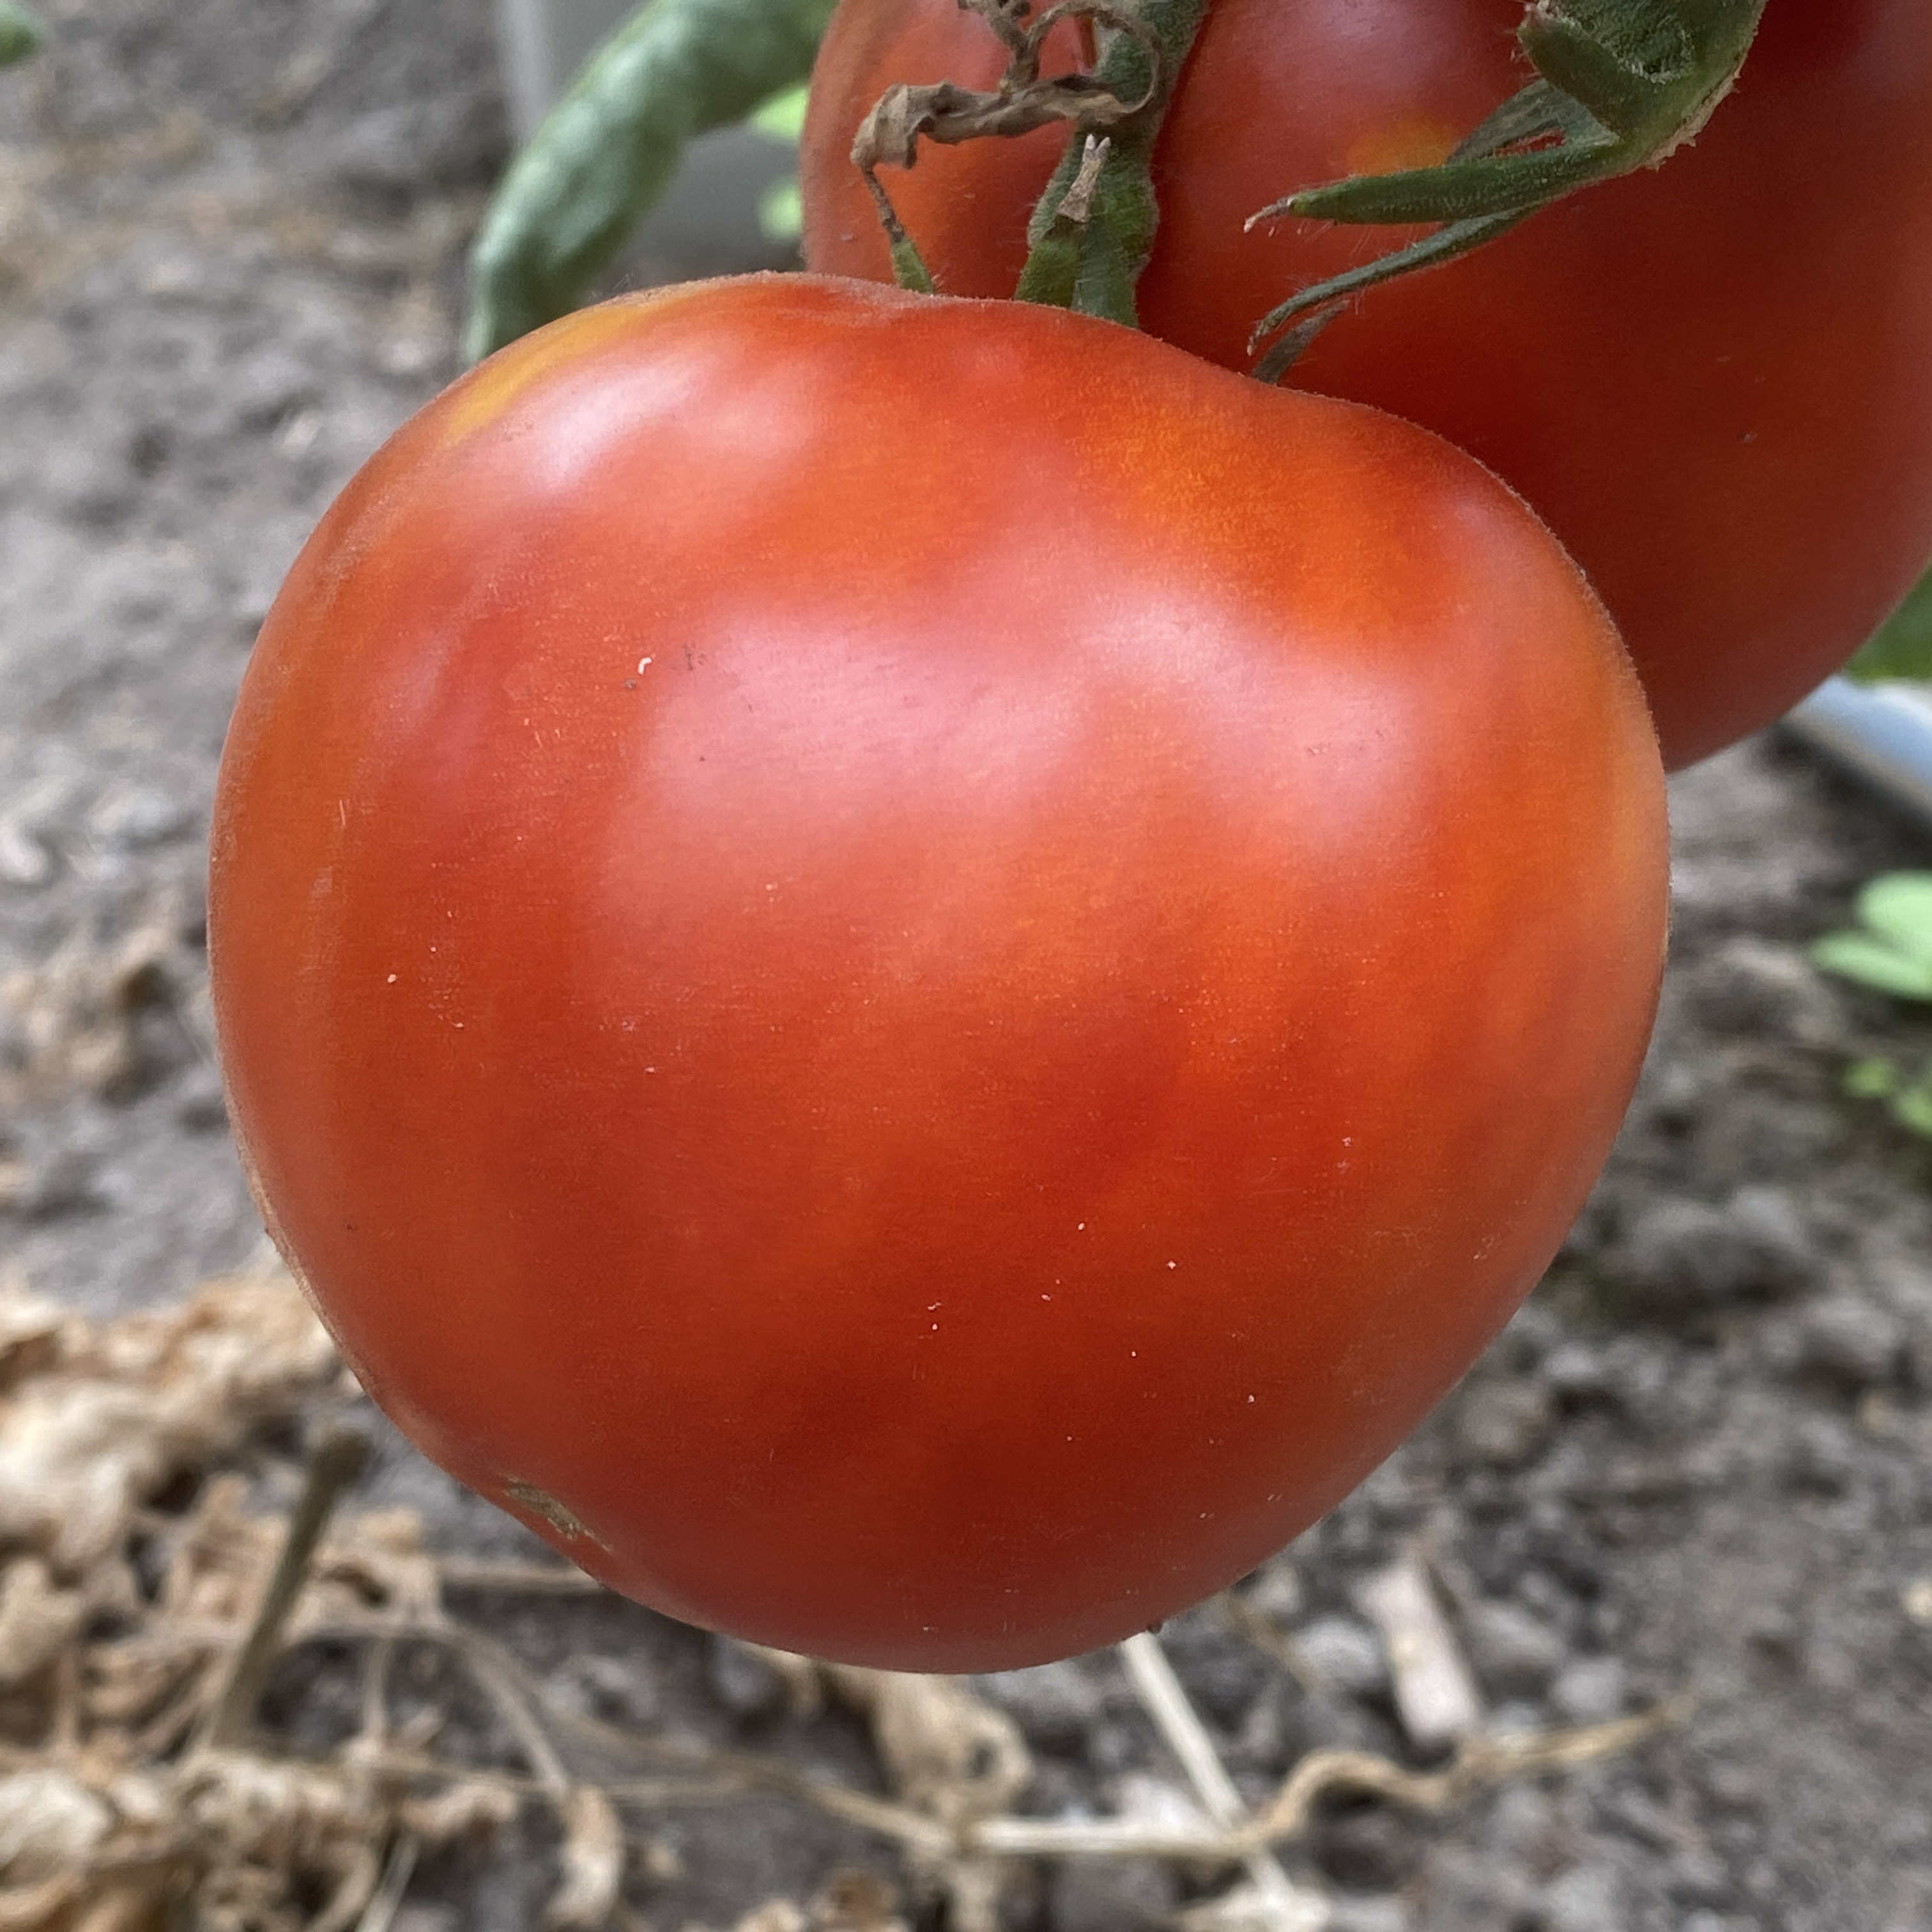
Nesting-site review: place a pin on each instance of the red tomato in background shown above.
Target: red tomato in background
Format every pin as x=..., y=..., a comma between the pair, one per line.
x=1714, y=380
x=915, y=972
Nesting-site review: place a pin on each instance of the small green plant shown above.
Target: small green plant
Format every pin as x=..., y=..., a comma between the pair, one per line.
x=1891, y=950
x=20, y=32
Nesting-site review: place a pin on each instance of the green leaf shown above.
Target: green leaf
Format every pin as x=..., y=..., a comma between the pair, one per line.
x=1902, y=645
x=1913, y=1107
x=1898, y=908
x=783, y=116
x=1624, y=85
x=1485, y=185
x=608, y=149
x=1459, y=238
x=781, y=211
x=1872, y=962
x=1871, y=1079
x=20, y=32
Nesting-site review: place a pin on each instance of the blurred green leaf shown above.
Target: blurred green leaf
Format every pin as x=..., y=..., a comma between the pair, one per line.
x=608, y=149
x=20, y=32
x=783, y=116
x=1873, y=962
x=1913, y=1107
x=1871, y=1080
x=781, y=211
x=1897, y=906
x=1901, y=647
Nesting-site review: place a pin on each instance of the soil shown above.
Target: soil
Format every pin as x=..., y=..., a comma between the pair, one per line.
x=1698, y=1466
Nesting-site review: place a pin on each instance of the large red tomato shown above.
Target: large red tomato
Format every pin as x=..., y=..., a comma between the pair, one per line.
x=1714, y=380
x=915, y=972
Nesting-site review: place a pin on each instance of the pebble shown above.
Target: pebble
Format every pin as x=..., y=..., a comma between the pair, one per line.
x=1765, y=1137
x=269, y=385
x=1275, y=1591
x=1590, y=1691
x=1681, y=1258
x=743, y=1682
x=1751, y=986
x=134, y=817
x=1369, y=1915
x=1699, y=1878
x=1224, y=1673
x=1821, y=1456
x=1345, y=1657
x=1112, y=1895
x=91, y=488
x=1522, y=1825
x=608, y=1688
x=1515, y=1653
x=200, y=1103
x=64, y=1182
x=1850, y=1341
x=1503, y=1424
x=1111, y=1746
x=24, y=860
x=1575, y=1371
x=1586, y=1898
x=1055, y=1704
x=1468, y=1889
x=1367, y=1847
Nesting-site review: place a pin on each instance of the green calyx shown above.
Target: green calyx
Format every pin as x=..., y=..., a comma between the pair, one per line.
x=1619, y=85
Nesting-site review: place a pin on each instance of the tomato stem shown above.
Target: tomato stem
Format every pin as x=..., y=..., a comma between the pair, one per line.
x=1118, y=236
x=1051, y=275
x=1091, y=232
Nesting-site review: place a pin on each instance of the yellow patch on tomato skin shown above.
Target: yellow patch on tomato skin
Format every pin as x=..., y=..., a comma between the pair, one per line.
x=1404, y=144
x=475, y=401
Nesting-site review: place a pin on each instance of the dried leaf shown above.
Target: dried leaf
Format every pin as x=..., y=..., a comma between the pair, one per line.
x=49, y=1822
x=37, y=1620
x=947, y=1752
x=469, y=1809
x=855, y=1901
x=593, y=1859
x=101, y=1427
x=775, y=1914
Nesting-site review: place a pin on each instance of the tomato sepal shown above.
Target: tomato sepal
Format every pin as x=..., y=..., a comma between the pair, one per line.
x=1620, y=84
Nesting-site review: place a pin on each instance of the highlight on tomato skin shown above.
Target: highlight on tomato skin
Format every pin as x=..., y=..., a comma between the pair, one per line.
x=1713, y=379
x=915, y=972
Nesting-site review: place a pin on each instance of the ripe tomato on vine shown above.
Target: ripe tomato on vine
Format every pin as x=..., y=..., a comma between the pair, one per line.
x=1714, y=379
x=915, y=972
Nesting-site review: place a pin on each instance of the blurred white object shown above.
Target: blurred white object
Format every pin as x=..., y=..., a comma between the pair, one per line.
x=1880, y=733
x=707, y=223
x=1435, y=1696
x=544, y=42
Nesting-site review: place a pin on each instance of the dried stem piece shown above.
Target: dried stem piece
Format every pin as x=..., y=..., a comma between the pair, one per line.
x=338, y=1460
x=1092, y=104
x=1284, y=1906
